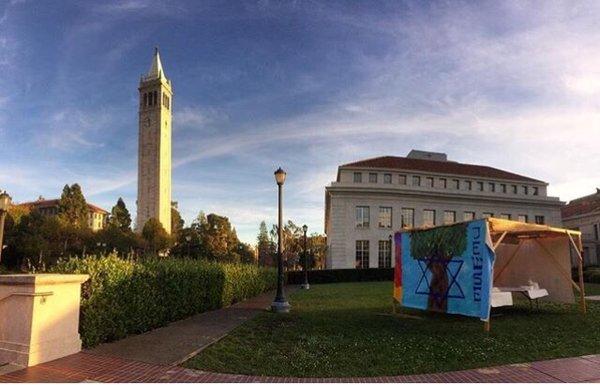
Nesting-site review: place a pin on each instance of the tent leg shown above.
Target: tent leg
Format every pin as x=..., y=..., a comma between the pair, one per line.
x=579, y=250
x=486, y=326
x=582, y=291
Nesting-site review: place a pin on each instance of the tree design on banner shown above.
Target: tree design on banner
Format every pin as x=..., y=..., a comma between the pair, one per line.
x=435, y=249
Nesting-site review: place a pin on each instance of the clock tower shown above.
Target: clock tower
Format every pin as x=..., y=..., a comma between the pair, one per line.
x=154, y=148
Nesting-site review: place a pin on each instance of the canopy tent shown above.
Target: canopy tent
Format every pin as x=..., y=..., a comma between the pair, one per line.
x=454, y=268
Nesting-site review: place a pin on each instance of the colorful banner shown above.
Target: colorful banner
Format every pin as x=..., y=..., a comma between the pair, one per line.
x=446, y=269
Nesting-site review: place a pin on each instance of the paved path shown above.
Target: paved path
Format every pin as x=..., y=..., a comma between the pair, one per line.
x=100, y=368
x=180, y=340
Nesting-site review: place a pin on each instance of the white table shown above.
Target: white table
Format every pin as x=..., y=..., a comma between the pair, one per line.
x=530, y=292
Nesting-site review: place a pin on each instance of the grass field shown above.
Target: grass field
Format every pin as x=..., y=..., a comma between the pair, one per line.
x=347, y=330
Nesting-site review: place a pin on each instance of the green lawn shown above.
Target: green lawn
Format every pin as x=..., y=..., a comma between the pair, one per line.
x=346, y=330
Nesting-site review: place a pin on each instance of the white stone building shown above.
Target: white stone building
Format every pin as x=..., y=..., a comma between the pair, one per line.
x=583, y=214
x=372, y=198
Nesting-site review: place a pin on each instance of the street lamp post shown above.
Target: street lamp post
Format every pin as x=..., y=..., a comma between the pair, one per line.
x=280, y=304
x=4, y=204
x=305, y=285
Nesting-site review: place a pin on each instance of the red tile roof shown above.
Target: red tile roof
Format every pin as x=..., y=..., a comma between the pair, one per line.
x=44, y=203
x=583, y=205
x=442, y=167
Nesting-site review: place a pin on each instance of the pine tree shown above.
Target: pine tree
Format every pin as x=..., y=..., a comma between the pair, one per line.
x=264, y=246
x=120, y=216
x=177, y=223
x=72, y=207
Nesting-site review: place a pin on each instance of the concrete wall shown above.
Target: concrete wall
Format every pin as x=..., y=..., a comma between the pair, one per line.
x=39, y=317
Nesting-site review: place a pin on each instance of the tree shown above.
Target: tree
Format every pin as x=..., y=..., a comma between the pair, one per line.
x=246, y=253
x=437, y=247
x=155, y=235
x=317, y=245
x=120, y=216
x=177, y=222
x=219, y=239
x=72, y=207
x=266, y=247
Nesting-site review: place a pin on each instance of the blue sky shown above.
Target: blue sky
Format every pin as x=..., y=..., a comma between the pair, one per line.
x=305, y=85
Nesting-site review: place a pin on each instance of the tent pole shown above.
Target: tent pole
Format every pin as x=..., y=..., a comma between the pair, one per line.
x=500, y=240
x=486, y=326
x=579, y=252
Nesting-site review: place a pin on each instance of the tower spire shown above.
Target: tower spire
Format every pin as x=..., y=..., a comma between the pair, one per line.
x=156, y=70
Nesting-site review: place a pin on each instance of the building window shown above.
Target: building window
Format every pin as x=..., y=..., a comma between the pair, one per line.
x=428, y=218
x=514, y=188
x=479, y=186
x=536, y=191
x=358, y=177
x=385, y=217
x=408, y=218
x=469, y=185
x=525, y=190
x=155, y=98
x=387, y=178
x=416, y=180
x=362, y=254
x=456, y=183
x=443, y=183
x=402, y=179
x=145, y=99
x=449, y=217
x=429, y=182
x=505, y=216
x=503, y=188
x=385, y=254
x=468, y=216
x=540, y=220
x=492, y=187
x=372, y=177
x=488, y=215
x=362, y=217
x=596, y=232
x=522, y=218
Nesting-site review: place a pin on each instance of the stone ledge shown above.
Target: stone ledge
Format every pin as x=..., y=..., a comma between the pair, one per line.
x=41, y=279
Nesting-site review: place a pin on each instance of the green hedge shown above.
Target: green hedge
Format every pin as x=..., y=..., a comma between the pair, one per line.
x=341, y=275
x=592, y=275
x=127, y=297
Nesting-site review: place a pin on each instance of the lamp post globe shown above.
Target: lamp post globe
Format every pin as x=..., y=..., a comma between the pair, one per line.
x=4, y=205
x=305, y=285
x=280, y=304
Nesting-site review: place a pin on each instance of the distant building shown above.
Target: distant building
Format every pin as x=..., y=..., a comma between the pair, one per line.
x=583, y=214
x=372, y=198
x=97, y=217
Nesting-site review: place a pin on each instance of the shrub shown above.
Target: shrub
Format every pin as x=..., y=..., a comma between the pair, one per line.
x=341, y=275
x=592, y=275
x=127, y=297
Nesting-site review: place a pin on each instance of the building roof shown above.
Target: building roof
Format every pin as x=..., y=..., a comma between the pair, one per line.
x=438, y=166
x=156, y=69
x=45, y=203
x=581, y=206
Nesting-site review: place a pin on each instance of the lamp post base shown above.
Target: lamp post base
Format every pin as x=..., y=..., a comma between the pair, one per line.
x=305, y=286
x=280, y=307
